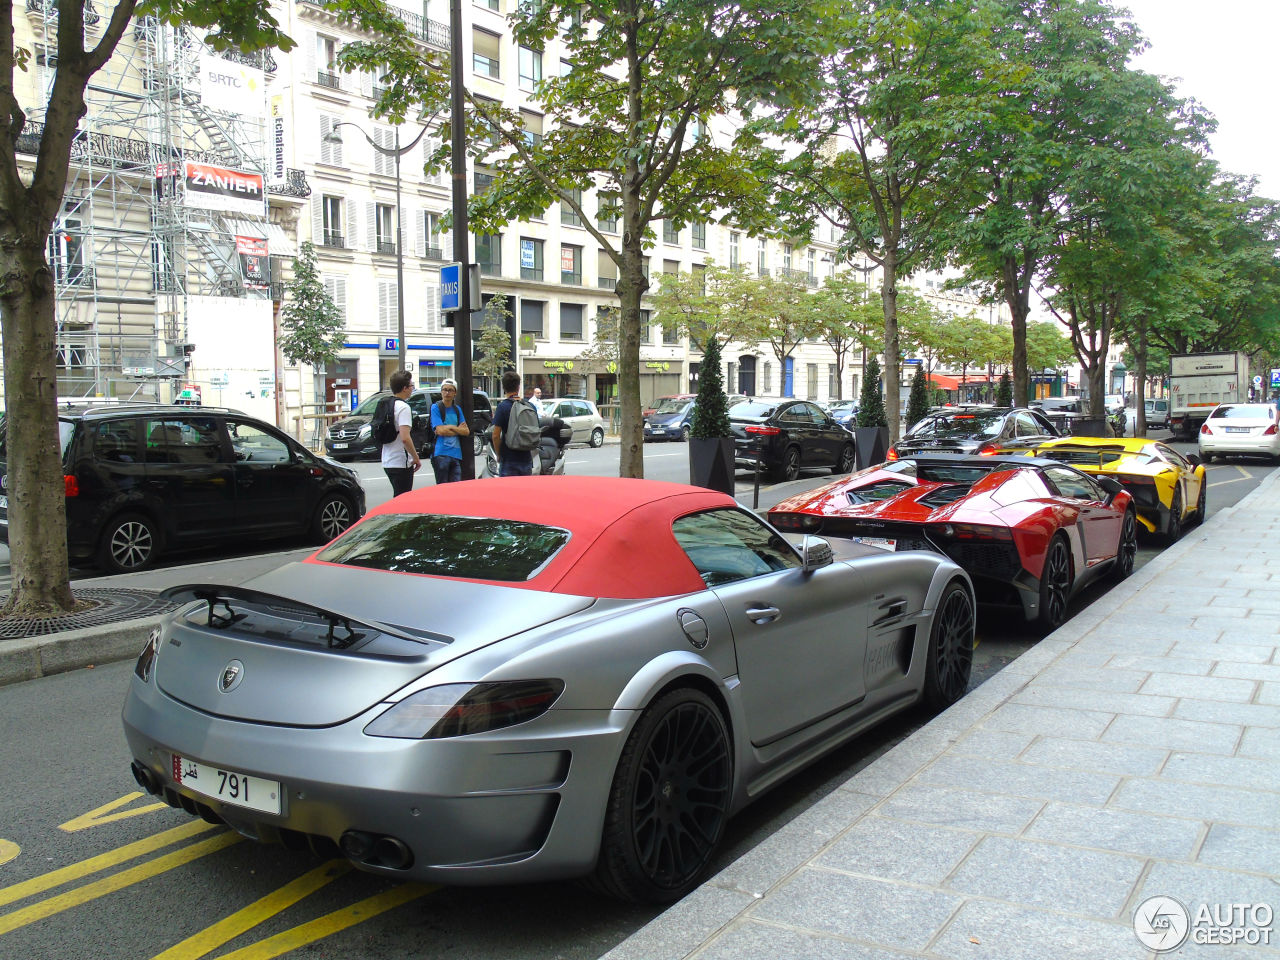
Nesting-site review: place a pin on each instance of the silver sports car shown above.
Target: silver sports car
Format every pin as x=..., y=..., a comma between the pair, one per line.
x=536, y=677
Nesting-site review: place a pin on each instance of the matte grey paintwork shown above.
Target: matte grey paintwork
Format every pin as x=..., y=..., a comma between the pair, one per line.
x=527, y=802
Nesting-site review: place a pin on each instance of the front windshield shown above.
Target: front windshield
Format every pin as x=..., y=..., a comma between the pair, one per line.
x=672, y=406
x=961, y=425
x=475, y=548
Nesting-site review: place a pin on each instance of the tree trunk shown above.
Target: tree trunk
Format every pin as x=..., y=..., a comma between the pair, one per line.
x=1140, y=365
x=631, y=287
x=892, y=354
x=1019, y=302
x=37, y=509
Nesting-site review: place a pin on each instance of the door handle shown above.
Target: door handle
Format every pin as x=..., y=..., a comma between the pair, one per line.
x=762, y=615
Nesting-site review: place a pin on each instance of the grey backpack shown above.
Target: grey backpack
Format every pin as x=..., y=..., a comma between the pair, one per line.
x=524, y=427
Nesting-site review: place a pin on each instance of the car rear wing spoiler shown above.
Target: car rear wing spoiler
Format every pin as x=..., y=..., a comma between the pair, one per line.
x=344, y=629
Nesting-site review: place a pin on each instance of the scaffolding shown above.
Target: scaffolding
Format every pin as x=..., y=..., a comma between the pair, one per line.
x=134, y=241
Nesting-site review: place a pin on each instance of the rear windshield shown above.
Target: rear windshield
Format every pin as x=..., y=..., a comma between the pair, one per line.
x=475, y=548
x=1250, y=411
x=960, y=425
x=752, y=410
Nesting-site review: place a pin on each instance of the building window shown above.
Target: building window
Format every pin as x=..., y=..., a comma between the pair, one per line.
x=530, y=68
x=669, y=232
x=530, y=259
x=571, y=264
x=699, y=236
x=670, y=335
x=333, y=235
x=786, y=258
x=731, y=378
x=483, y=179
x=811, y=376
x=388, y=307
x=330, y=152
x=327, y=62
x=607, y=213
x=734, y=240
x=570, y=321
x=336, y=288
x=831, y=381
x=699, y=271
x=569, y=216
x=531, y=312
x=435, y=240
x=488, y=247
x=812, y=265
x=766, y=383
x=762, y=259
x=384, y=227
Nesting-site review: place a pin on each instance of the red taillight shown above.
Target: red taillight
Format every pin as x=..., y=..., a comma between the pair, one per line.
x=891, y=455
x=1270, y=431
x=973, y=531
x=987, y=450
x=71, y=485
x=1204, y=428
x=763, y=431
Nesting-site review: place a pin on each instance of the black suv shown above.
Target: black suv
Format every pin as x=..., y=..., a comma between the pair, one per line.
x=145, y=479
x=351, y=437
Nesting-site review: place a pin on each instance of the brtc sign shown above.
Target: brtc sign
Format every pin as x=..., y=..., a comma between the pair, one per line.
x=450, y=287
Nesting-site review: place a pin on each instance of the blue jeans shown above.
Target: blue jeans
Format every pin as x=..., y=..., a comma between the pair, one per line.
x=448, y=469
x=507, y=469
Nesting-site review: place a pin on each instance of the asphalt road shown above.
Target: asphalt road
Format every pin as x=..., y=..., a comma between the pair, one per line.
x=89, y=868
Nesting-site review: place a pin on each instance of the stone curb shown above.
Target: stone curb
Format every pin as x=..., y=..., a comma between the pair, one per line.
x=686, y=926
x=32, y=657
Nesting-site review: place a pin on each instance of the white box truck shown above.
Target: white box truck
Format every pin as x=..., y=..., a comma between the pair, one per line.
x=1198, y=382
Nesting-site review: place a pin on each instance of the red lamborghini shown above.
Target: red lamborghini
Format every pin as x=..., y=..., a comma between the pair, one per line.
x=1028, y=531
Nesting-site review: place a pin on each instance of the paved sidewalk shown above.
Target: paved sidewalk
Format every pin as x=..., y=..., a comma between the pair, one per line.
x=1134, y=753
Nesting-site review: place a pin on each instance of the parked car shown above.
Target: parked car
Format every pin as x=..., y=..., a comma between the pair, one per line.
x=659, y=401
x=1029, y=532
x=845, y=413
x=581, y=415
x=787, y=436
x=1169, y=491
x=1157, y=411
x=983, y=431
x=671, y=420
x=143, y=480
x=351, y=437
x=1235, y=429
x=508, y=680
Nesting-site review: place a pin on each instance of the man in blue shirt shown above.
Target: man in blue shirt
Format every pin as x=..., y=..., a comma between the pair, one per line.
x=448, y=424
x=511, y=463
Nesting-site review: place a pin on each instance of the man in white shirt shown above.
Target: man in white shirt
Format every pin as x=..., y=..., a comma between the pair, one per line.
x=399, y=458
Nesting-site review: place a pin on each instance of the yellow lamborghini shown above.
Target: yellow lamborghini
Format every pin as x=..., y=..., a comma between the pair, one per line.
x=1168, y=489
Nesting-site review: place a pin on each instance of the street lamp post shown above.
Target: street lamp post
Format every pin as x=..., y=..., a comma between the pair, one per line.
x=397, y=152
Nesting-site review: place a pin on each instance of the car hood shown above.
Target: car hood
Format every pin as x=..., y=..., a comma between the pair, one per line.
x=289, y=674
x=352, y=421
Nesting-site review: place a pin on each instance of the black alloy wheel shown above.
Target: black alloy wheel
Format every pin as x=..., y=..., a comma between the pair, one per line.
x=845, y=463
x=1173, y=530
x=333, y=516
x=669, y=801
x=1127, y=548
x=129, y=543
x=1202, y=503
x=789, y=467
x=1055, y=585
x=950, y=648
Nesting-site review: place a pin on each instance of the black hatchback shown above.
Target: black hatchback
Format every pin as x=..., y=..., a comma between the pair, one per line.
x=969, y=431
x=787, y=436
x=142, y=480
x=351, y=437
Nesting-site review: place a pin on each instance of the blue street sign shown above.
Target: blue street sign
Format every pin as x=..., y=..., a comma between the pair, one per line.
x=450, y=287
x=1275, y=376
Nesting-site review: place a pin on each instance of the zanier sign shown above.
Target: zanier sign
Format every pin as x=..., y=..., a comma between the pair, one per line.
x=218, y=188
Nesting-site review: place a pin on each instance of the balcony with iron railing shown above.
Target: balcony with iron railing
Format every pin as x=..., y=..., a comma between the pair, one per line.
x=332, y=238
x=49, y=8
x=434, y=253
x=386, y=246
x=326, y=79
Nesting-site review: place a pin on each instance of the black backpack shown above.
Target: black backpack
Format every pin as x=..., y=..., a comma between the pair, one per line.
x=383, y=424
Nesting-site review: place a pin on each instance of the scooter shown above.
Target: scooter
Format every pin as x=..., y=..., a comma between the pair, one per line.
x=548, y=459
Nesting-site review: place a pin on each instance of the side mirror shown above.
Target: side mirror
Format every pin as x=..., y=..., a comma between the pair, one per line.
x=815, y=553
x=1193, y=459
x=1111, y=485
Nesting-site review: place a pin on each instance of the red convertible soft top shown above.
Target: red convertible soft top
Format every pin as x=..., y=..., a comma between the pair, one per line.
x=621, y=545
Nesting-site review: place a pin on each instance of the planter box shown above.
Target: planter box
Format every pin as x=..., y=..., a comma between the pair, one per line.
x=711, y=463
x=870, y=445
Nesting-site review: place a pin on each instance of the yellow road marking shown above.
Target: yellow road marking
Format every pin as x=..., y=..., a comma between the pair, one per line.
x=330, y=923
x=8, y=851
x=228, y=929
x=118, y=881
x=103, y=813
x=76, y=871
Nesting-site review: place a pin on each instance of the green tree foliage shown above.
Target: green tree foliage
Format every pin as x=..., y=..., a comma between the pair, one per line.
x=779, y=311
x=494, y=341
x=918, y=398
x=888, y=153
x=846, y=320
x=312, y=328
x=705, y=303
x=871, y=403
x=711, y=412
x=627, y=123
x=968, y=342
x=30, y=199
x=1004, y=393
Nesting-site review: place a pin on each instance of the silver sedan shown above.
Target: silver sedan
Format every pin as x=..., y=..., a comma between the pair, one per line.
x=536, y=677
